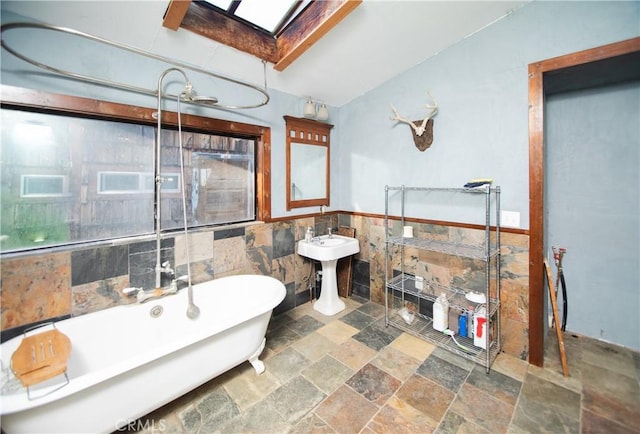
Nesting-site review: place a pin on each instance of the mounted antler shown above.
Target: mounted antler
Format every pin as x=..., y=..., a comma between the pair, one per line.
x=419, y=130
x=421, y=140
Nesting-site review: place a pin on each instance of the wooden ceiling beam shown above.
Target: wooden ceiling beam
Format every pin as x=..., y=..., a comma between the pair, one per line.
x=308, y=27
x=219, y=27
x=175, y=13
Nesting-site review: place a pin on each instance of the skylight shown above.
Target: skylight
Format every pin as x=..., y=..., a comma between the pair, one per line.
x=276, y=31
x=268, y=15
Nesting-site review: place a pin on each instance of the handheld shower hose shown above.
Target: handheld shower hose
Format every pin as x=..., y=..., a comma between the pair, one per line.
x=193, y=311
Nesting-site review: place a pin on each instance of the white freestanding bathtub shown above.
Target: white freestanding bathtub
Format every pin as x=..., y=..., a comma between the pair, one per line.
x=125, y=363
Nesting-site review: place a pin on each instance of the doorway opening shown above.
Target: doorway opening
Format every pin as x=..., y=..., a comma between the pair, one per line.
x=589, y=68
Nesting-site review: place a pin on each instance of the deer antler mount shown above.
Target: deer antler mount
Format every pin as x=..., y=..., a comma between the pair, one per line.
x=422, y=129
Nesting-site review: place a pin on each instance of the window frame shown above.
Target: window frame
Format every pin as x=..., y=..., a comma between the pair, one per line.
x=23, y=99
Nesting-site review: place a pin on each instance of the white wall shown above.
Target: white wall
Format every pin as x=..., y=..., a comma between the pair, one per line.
x=481, y=129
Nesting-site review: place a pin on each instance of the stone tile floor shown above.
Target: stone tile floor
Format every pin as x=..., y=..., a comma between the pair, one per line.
x=350, y=374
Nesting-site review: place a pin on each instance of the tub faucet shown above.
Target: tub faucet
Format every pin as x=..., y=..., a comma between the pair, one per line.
x=142, y=295
x=165, y=268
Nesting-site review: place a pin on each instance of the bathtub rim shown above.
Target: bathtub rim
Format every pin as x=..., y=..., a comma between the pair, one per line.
x=17, y=402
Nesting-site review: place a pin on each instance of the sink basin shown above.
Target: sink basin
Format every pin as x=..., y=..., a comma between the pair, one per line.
x=327, y=248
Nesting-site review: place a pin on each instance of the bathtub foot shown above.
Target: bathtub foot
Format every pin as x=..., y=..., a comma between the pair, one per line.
x=258, y=364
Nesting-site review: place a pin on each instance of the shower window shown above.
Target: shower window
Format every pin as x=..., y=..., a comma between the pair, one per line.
x=223, y=178
x=219, y=179
x=71, y=180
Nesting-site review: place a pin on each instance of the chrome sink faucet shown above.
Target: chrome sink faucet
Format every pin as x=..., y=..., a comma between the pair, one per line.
x=319, y=238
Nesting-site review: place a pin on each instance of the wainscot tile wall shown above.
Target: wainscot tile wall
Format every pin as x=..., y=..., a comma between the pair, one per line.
x=59, y=285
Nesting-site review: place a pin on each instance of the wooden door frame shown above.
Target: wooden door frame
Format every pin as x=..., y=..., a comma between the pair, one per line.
x=536, y=177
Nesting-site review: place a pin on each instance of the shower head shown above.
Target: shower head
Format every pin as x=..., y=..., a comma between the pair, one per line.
x=190, y=95
x=207, y=100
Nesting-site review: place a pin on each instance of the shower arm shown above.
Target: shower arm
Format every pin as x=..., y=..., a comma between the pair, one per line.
x=127, y=87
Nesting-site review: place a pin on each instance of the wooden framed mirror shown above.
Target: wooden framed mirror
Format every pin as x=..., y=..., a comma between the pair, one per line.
x=308, y=167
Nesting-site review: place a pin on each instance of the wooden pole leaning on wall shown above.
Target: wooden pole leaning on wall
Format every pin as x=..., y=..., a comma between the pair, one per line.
x=554, y=305
x=345, y=266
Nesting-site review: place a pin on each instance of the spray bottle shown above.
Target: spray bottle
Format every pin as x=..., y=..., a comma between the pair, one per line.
x=462, y=324
x=480, y=328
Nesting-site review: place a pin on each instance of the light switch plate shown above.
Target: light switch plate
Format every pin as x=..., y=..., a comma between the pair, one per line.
x=510, y=219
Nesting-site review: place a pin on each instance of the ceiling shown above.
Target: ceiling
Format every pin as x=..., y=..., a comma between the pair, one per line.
x=374, y=43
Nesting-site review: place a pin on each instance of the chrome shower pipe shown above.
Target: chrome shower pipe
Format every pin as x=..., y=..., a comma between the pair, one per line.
x=192, y=310
x=208, y=101
x=157, y=170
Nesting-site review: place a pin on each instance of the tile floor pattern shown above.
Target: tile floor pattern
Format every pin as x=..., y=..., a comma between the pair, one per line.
x=350, y=374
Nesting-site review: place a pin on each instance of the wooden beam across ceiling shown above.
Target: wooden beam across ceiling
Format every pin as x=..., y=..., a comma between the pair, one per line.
x=175, y=13
x=306, y=29
x=219, y=27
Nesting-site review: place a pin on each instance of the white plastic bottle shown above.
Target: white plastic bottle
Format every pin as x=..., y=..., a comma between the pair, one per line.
x=441, y=313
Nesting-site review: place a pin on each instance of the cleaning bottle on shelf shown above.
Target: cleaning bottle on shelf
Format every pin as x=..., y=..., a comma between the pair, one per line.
x=480, y=328
x=462, y=324
x=453, y=319
x=441, y=313
x=470, y=317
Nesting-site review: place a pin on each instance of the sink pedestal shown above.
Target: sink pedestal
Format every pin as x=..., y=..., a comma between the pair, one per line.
x=329, y=302
x=328, y=249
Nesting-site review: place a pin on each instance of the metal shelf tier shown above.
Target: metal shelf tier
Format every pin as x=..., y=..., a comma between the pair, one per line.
x=446, y=247
x=456, y=296
x=482, y=189
x=422, y=328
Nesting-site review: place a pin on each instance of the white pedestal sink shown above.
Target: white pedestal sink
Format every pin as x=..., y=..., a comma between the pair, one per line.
x=328, y=249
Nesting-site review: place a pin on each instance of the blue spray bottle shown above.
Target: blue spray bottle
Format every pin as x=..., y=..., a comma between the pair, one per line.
x=462, y=324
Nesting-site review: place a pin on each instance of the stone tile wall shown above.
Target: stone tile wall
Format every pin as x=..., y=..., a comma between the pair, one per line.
x=38, y=288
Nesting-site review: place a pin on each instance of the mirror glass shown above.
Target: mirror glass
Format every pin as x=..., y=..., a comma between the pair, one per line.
x=307, y=162
x=308, y=171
